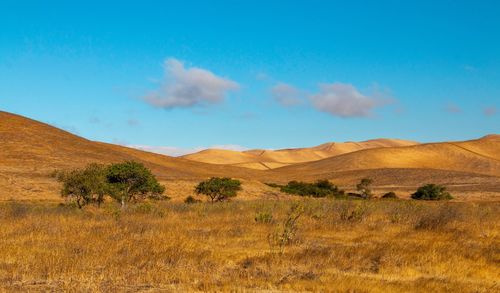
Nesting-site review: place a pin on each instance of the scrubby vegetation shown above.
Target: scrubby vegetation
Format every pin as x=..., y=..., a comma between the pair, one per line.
x=431, y=192
x=364, y=188
x=326, y=245
x=124, y=182
x=321, y=188
x=219, y=189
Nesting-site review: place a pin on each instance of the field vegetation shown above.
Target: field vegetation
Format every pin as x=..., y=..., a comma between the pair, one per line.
x=305, y=244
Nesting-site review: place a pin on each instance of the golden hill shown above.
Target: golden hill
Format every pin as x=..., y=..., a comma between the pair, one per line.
x=31, y=150
x=270, y=159
x=481, y=156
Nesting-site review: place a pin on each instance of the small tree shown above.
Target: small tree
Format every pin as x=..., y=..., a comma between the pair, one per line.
x=131, y=181
x=85, y=186
x=364, y=187
x=431, y=192
x=218, y=189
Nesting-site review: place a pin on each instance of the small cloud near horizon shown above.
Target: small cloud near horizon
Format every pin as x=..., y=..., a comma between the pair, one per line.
x=185, y=87
x=179, y=151
x=344, y=100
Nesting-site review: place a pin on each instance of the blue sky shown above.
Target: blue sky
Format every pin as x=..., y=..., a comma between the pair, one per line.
x=184, y=75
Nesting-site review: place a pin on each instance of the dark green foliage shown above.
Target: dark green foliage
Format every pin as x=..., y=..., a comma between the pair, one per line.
x=131, y=181
x=390, y=195
x=431, y=192
x=219, y=189
x=123, y=182
x=190, y=200
x=364, y=187
x=84, y=186
x=320, y=188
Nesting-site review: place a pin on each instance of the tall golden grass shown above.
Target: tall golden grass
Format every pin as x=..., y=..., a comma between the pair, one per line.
x=335, y=245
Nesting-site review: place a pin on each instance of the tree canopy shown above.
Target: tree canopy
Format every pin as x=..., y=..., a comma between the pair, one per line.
x=130, y=181
x=219, y=189
x=124, y=182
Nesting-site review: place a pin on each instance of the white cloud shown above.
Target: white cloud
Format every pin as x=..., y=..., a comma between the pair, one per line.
x=187, y=87
x=286, y=94
x=344, y=100
x=177, y=151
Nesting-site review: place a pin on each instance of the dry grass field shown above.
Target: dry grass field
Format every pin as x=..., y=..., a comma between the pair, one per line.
x=333, y=246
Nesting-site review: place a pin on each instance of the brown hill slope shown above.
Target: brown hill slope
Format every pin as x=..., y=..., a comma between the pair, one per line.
x=31, y=145
x=30, y=151
x=480, y=156
x=270, y=159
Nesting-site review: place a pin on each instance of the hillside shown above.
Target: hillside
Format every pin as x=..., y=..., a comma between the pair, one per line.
x=481, y=156
x=270, y=159
x=31, y=150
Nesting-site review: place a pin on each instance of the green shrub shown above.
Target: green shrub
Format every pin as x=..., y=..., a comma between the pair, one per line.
x=321, y=188
x=132, y=181
x=218, y=189
x=431, y=192
x=84, y=186
x=124, y=182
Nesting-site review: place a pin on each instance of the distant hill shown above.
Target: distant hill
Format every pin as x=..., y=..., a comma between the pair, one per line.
x=270, y=159
x=480, y=156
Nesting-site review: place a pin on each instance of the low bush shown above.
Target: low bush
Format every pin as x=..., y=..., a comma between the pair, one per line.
x=321, y=188
x=219, y=189
x=431, y=192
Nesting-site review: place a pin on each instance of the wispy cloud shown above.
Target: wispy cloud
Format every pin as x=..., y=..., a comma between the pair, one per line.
x=186, y=87
x=490, y=111
x=179, y=151
x=344, y=100
x=286, y=95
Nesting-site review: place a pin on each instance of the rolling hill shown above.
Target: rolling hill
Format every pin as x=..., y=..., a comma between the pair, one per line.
x=31, y=150
x=270, y=159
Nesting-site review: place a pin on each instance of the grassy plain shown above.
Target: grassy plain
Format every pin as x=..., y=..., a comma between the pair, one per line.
x=334, y=246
